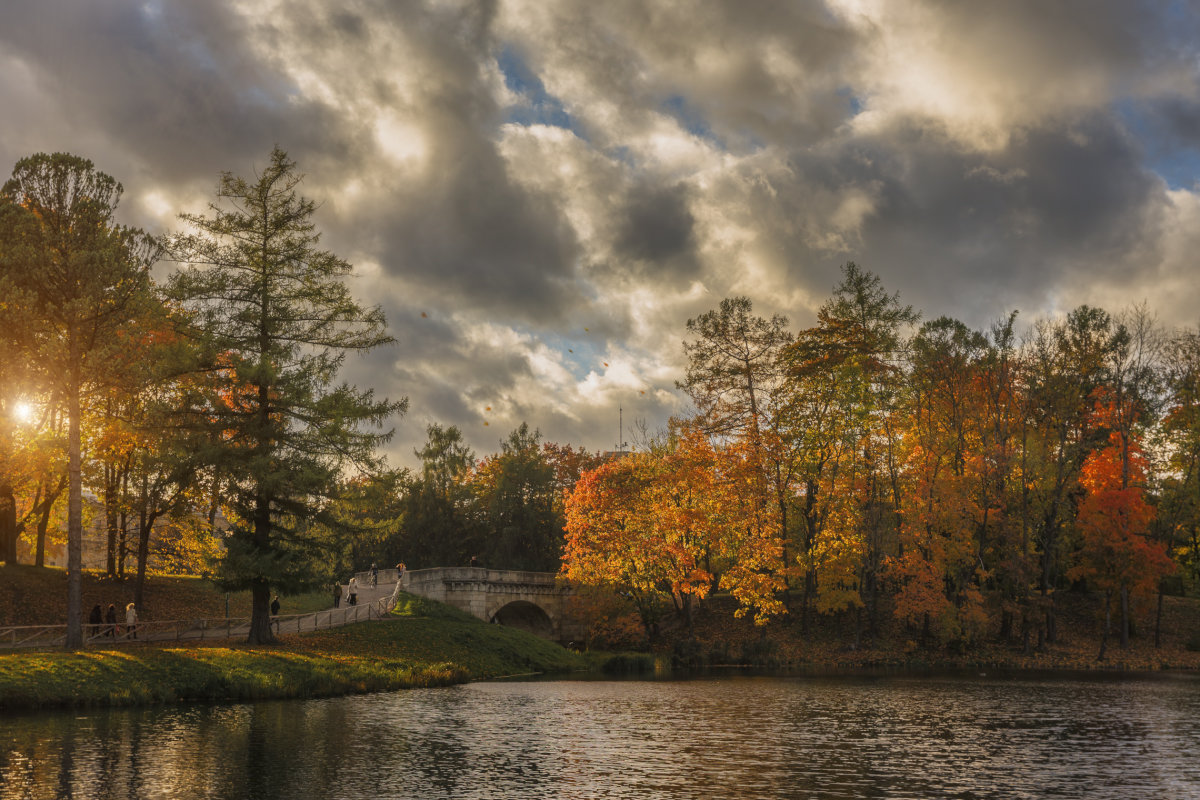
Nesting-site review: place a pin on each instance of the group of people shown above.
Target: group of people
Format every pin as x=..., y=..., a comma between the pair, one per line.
x=106, y=624
x=351, y=590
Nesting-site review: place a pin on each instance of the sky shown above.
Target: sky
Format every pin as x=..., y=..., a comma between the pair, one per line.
x=541, y=193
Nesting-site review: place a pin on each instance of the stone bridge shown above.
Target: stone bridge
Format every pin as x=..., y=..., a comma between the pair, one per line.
x=532, y=601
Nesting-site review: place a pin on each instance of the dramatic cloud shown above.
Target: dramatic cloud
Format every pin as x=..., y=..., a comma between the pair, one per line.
x=541, y=194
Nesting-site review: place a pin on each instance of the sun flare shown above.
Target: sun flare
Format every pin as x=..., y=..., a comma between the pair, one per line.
x=23, y=412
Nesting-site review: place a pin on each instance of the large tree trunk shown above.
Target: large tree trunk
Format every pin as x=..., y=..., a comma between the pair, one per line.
x=74, y=503
x=146, y=518
x=8, y=524
x=260, y=590
x=111, y=517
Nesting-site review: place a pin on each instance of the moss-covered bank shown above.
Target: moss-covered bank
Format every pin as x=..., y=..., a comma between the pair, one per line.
x=421, y=644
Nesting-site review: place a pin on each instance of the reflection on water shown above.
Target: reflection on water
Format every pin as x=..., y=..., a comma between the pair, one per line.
x=749, y=737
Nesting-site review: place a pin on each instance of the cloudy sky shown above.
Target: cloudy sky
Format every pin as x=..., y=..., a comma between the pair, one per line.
x=540, y=193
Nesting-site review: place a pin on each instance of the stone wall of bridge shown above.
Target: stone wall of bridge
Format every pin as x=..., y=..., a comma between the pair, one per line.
x=534, y=601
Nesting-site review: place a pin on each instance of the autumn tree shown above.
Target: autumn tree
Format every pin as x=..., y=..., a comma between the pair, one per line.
x=84, y=277
x=1179, y=508
x=263, y=296
x=651, y=523
x=1064, y=363
x=1117, y=556
x=939, y=566
x=735, y=379
x=845, y=380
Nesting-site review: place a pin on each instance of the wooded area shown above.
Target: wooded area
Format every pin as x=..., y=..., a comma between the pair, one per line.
x=963, y=476
x=956, y=478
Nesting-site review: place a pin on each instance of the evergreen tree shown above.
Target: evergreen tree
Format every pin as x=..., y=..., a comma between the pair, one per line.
x=277, y=320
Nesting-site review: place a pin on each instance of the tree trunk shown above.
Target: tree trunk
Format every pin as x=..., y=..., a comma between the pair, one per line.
x=1107, y=625
x=145, y=525
x=111, y=514
x=260, y=590
x=1124, y=617
x=43, y=524
x=8, y=524
x=1158, y=618
x=74, y=501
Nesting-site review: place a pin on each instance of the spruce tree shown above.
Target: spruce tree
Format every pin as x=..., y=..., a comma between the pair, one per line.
x=277, y=320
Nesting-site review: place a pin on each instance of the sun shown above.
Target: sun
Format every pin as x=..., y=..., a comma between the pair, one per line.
x=23, y=412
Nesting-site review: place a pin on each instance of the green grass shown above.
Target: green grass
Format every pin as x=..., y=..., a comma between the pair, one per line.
x=422, y=644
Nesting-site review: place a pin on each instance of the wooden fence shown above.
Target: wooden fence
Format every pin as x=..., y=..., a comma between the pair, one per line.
x=105, y=635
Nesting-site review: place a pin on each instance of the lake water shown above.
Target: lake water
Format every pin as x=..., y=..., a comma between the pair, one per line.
x=706, y=738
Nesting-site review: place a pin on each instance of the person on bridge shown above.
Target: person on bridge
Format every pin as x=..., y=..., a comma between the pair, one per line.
x=352, y=591
x=374, y=574
x=95, y=619
x=275, y=612
x=111, y=619
x=400, y=573
x=337, y=595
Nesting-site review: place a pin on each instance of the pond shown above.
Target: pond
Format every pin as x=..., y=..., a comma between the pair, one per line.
x=784, y=737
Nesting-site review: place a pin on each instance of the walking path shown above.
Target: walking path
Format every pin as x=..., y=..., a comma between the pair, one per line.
x=374, y=602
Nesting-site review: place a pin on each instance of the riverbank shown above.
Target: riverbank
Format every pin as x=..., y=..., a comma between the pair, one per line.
x=827, y=647
x=421, y=644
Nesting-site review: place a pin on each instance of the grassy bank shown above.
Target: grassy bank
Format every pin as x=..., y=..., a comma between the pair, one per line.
x=422, y=644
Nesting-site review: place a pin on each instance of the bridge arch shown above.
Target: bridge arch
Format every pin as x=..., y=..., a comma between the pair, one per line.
x=526, y=616
x=533, y=601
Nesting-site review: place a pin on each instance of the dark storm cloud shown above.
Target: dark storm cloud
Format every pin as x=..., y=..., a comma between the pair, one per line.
x=559, y=186
x=173, y=86
x=657, y=227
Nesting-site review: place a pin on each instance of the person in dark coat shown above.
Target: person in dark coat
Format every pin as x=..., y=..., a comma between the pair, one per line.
x=337, y=595
x=95, y=619
x=111, y=619
x=275, y=612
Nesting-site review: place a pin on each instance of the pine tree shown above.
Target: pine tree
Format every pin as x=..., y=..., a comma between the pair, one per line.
x=277, y=320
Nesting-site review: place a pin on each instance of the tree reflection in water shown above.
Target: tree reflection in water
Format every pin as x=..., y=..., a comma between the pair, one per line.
x=776, y=737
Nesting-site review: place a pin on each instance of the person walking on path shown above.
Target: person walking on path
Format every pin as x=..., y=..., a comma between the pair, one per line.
x=275, y=612
x=111, y=620
x=95, y=619
x=374, y=575
x=337, y=594
x=352, y=591
x=400, y=573
x=131, y=620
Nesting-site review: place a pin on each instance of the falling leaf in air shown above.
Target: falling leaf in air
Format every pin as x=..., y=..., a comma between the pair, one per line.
x=424, y=315
x=489, y=408
x=606, y=363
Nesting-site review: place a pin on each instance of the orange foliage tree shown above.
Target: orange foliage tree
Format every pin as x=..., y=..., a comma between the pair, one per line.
x=1117, y=555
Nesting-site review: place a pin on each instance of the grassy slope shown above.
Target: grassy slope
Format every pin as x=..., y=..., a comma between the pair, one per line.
x=422, y=644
